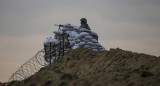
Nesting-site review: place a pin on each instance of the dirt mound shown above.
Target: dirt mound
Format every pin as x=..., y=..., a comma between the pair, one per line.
x=83, y=67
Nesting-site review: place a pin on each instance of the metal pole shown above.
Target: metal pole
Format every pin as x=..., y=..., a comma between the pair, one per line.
x=45, y=50
x=50, y=53
x=63, y=43
x=59, y=48
x=55, y=51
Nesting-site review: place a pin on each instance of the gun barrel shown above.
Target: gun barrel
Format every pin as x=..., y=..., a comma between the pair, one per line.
x=58, y=25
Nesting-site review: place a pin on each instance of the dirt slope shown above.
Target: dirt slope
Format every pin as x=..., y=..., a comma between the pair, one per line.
x=83, y=67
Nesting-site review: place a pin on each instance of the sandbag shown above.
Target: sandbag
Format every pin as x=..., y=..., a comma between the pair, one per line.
x=90, y=43
x=75, y=47
x=73, y=34
x=93, y=33
x=79, y=37
x=83, y=34
x=87, y=46
x=58, y=32
x=88, y=37
x=66, y=29
x=76, y=27
x=94, y=40
x=97, y=44
x=82, y=43
x=51, y=40
x=101, y=48
x=95, y=50
x=67, y=26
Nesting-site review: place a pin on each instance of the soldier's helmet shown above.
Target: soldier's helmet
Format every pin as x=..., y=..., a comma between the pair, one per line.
x=83, y=20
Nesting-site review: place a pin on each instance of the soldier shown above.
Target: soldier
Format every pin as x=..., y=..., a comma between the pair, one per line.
x=84, y=23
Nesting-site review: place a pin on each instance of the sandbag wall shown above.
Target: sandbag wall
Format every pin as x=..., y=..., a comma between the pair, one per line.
x=79, y=37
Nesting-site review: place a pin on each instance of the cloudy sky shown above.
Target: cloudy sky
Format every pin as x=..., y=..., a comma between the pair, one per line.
x=24, y=24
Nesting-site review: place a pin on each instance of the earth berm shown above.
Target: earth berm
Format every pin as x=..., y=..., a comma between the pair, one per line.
x=84, y=67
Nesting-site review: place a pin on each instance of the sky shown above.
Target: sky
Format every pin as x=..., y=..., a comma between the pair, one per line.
x=132, y=25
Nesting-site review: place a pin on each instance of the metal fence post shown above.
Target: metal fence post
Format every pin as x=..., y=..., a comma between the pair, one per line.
x=63, y=43
x=55, y=52
x=59, y=49
x=45, y=50
x=50, y=53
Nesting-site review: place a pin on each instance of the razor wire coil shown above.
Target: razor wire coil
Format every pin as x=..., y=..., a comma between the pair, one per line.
x=44, y=57
x=30, y=67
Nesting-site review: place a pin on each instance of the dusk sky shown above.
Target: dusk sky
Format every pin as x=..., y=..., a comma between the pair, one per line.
x=132, y=25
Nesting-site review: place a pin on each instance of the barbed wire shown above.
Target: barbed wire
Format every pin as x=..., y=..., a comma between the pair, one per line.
x=43, y=58
x=30, y=67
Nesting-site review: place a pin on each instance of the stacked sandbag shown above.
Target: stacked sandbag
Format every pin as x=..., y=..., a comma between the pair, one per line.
x=48, y=51
x=89, y=41
x=71, y=37
x=78, y=37
x=81, y=37
x=51, y=40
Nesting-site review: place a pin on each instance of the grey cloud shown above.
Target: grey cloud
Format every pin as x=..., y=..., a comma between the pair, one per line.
x=28, y=17
x=19, y=17
x=141, y=11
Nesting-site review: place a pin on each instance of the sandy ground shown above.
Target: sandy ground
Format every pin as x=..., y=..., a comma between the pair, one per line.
x=83, y=67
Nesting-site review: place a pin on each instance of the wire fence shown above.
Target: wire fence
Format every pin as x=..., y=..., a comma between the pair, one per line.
x=30, y=67
x=54, y=51
x=43, y=58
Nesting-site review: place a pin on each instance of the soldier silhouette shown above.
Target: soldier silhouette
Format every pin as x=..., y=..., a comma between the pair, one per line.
x=84, y=23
